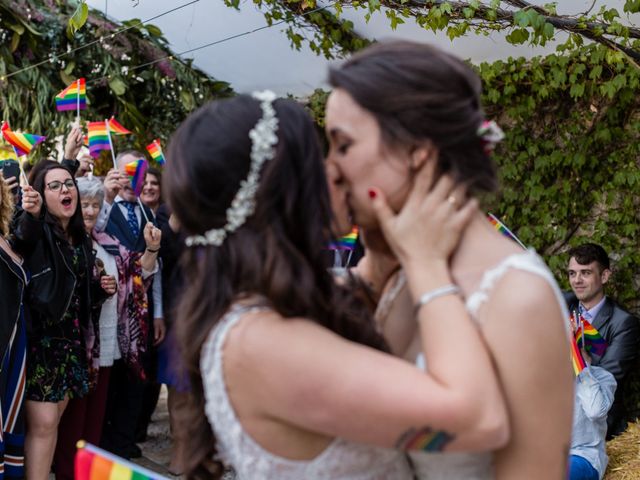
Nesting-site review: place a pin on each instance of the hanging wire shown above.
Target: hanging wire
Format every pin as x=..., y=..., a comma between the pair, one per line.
x=53, y=56
x=216, y=42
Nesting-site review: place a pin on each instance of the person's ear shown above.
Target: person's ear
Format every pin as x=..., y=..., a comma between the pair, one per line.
x=422, y=154
x=604, y=276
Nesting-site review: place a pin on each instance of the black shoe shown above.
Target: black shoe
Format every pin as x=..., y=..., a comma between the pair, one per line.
x=135, y=452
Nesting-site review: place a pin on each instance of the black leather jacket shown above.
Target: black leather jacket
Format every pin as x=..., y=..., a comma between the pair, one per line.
x=12, y=287
x=52, y=278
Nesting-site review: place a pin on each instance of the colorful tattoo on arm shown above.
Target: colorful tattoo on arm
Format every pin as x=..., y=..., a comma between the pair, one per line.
x=424, y=439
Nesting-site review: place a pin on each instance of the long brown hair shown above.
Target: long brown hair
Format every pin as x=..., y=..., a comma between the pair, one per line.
x=6, y=207
x=277, y=254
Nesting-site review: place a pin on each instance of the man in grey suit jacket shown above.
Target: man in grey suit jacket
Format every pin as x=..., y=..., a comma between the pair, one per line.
x=589, y=271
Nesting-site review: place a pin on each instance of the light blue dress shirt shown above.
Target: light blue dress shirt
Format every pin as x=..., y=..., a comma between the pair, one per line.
x=595, y=388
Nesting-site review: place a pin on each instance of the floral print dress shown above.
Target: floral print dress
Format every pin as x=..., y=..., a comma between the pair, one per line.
x=56, y=359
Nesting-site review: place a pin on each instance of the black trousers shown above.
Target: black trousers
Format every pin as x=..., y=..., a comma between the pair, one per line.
x=124, y=404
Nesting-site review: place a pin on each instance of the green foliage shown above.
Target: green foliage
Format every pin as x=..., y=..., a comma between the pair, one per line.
x=521, y=22
x=150, y=101
x=77, y=20
x=569, y=165
x=323, y=31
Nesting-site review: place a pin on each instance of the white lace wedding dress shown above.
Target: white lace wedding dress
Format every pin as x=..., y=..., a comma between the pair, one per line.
x=479, y=466
x=341, y=460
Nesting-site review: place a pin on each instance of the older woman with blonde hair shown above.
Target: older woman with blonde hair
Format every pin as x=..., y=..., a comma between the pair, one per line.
x=13, y=281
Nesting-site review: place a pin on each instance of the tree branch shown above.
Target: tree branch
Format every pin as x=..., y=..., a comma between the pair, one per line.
x=323, y=22
x=586, y=29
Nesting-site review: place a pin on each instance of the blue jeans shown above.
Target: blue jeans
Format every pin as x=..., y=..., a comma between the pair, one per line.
x=581, y=469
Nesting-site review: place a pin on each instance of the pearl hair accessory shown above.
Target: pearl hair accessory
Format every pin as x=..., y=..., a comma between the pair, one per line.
x=263, y=141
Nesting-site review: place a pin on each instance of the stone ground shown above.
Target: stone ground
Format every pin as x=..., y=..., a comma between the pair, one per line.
x=156, y=451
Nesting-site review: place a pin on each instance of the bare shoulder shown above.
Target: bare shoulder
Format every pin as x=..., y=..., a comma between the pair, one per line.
x=266, y=338
x=521, y=297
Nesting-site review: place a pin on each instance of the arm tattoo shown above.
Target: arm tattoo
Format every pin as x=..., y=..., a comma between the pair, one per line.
x=424, y=439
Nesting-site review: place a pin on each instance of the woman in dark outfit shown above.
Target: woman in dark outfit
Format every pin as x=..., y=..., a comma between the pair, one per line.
x=65, y=285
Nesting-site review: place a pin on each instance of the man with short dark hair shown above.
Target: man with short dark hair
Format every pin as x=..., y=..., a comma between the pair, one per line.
x=589, y=271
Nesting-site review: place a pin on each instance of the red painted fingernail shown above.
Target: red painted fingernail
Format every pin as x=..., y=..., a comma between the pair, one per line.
x=372, y=193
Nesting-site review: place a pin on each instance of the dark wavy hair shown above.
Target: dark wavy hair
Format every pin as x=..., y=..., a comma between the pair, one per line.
x=277, y=254
x=156, y=172
x=418, y=92
x=591, y=252
x=75, y=228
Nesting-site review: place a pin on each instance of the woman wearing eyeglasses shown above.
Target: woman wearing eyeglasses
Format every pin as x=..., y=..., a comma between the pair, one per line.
x=65, y=284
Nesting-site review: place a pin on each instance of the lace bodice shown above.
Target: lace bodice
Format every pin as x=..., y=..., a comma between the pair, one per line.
x=478, y=466
x=341, y=460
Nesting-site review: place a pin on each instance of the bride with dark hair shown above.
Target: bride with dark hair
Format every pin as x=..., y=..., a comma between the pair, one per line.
x=397, y=109
x=284, y=364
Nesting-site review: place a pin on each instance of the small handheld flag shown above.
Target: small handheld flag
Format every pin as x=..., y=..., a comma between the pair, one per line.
x=136, y=171
x=98, y=138
x=348, y=242
x=577, y=361
x=74, y=97
x=155, y=151
x=115, y=127
x=591, y=339
x=502, y=228
x=93, y=463
x=23, y=142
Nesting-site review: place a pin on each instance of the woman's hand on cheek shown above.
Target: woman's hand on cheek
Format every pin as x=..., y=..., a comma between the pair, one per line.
x=428, y=227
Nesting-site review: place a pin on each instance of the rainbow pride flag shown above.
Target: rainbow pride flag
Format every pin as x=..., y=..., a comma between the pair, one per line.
x=593, y=342
x=155, y=150
x=348, y=242
x=73, y=97
x=136, y=171
x=93, y=463
x=98, y=138
x=115, y=127
x=23, y=142
x=502, y=228
x=577, y=361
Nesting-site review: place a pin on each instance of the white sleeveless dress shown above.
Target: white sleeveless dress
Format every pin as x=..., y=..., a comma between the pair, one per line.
x=341, y=460
x=479, y=466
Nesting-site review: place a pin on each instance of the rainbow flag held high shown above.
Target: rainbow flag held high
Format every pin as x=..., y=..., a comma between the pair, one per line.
x=348, y=242
x=593, y=342
x=502, y=228
x=115, y=127
x=136, y=171
x=576, y=358
x=98, y=138
x=155, y=150
x=93, y=463
x=23, y=142
x=74, y=97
